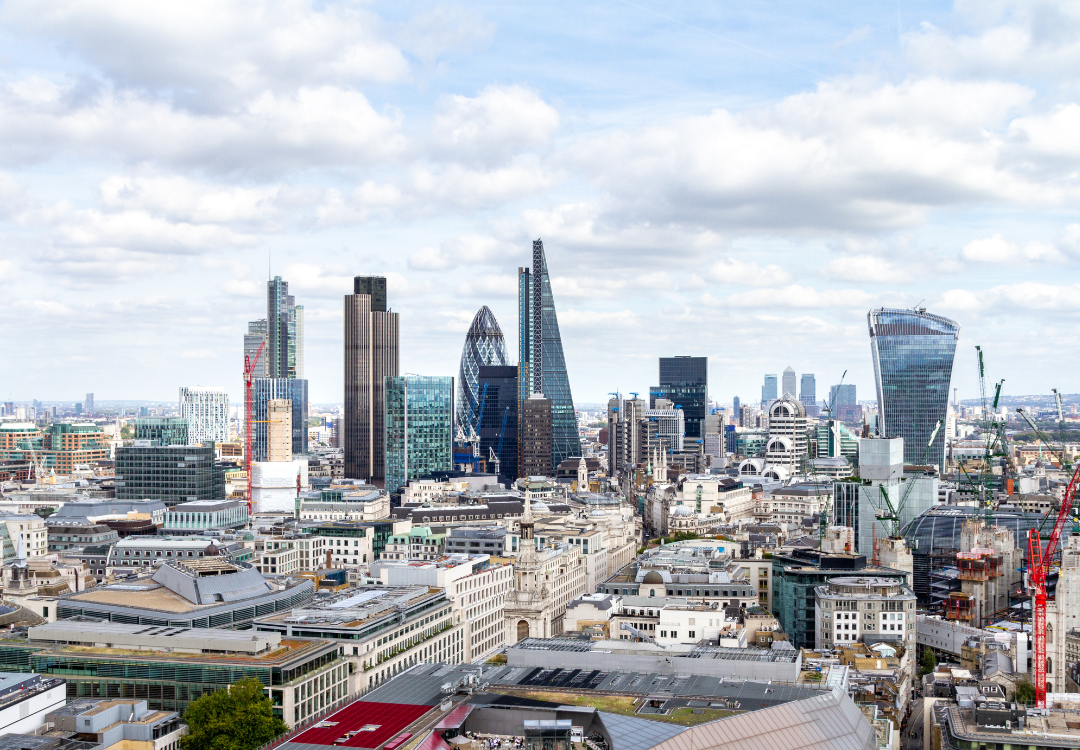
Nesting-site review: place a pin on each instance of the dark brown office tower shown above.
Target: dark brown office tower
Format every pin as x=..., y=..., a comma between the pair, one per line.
x=534, y=437
x=371, y=354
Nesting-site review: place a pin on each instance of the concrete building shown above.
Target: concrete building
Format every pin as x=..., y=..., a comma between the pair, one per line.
x=204, y=516
x=276, y=485
x=419, y=543
x=207, y=413
x=279, y=430
x=787, y=447
x=477, y=541
x=120, y=724
x=989, y=566
x=381, y=631
x=1063, y=615
x=864, y=608
x=477, y=587
x=27, y=699
x=106, y=659
x=72, y=536
x=208, y=592
x=362, y=503
x=534, y=437
x=28, y=530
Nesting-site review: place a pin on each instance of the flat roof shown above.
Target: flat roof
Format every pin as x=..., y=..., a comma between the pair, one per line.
x=372, y=724
x=119, y=634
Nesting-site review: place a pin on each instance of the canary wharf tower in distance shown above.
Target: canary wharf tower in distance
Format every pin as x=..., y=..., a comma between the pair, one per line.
x=541, y=365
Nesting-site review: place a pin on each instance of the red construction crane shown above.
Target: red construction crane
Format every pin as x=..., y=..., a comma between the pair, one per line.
x=249, y=369
x=1041, y=560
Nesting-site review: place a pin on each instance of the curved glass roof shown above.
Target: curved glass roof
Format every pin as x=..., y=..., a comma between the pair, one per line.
x=938, y=529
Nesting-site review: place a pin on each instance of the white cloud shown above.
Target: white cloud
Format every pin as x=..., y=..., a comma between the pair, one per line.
x=997, y=249
x=800, y=296
x=732, y=271
x=491, y=127
x=198, y=354
x=868, y=268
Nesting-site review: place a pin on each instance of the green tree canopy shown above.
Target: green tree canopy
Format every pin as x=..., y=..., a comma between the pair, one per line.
x=238, y=718
x=1025, y=693
x=928, y=661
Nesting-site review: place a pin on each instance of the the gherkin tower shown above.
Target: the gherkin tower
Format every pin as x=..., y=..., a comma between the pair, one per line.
x=484, y=345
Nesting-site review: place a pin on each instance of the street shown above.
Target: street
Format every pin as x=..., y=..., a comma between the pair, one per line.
x=915, y=724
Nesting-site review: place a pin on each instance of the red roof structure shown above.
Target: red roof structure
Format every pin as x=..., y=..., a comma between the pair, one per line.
x=361, y=725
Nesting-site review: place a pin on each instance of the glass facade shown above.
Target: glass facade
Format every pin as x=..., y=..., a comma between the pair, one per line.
x=419, y=427
x=284, y=350
x=162, y=430
x=768, y=390
x=685, y=382
x=499, y=427
x=542, y=366
x=913, y=355
x=173, y=474
x=808, y=393
x=484, y=345
x=268, y=389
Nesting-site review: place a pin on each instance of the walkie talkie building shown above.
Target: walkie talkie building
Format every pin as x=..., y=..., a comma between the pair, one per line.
x=484, y=346
x=541, y=365
x=913, y=355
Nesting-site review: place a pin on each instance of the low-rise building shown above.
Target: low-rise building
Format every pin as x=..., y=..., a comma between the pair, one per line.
x=73, y=536
x=171, y=667
x=204, y=516
x=27, y=699
x=144, y=553
x=119, y=724
x=490, y=540
x=420, y=543
x=30, y=529
x=339, y=503
x=382, y=631
x=864, y=608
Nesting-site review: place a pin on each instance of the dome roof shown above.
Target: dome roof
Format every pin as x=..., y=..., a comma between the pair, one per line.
x=540, y=506
x=652, y=577
x=681, y=511
x=597, y=513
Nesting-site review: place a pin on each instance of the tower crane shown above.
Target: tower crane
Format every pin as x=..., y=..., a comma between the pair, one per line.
x=249, y=408
x=1041, y=560
x=889, y=515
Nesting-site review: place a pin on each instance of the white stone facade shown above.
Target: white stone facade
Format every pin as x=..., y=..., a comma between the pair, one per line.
x=207, y=413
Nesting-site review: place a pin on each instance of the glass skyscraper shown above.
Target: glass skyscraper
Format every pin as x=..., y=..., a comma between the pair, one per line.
x=419, y=427
x=685, y=382
x=913, y=355
x=541, y=365
x=267, y=389
x=484, y=346
x=768, y=391
x=284, y=351
x=808, y=394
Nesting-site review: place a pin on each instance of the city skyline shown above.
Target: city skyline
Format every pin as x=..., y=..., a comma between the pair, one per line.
x=947, y=183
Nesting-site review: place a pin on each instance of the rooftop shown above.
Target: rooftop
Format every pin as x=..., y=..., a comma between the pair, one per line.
x=352, y=609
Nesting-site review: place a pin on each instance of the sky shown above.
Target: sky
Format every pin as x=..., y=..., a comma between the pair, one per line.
x=742, y=181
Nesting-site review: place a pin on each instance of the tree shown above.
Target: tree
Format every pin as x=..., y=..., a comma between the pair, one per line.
x=928, y=661
x=237, y=718
x=1025, y=693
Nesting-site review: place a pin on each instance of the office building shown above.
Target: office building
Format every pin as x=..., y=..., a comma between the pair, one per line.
x=736, y=410
x=534, y=437
x=266, y=390
x=189, y=592
x=207, y=413
x=768, y=391
x=419, y=427
x=541, y=364
x=499, y=427
x=254, y=341
x=484, y=345
x=663, y=430
x=204, y=516
x=843, y=395
x=301, y=675
x=788, y=383
x=88, y=405
x=371, y=355
x=26, y=701
x=913, y=353
x=381, y=632
x=797, y=573
x=808, y=394
x=162, y=430
x=864, y=608
x=684, y=381
x=118, y=724
x=173, y=474
x=279, y=431
x=284, y=350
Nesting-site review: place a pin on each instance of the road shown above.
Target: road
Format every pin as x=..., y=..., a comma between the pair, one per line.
x=914, y=724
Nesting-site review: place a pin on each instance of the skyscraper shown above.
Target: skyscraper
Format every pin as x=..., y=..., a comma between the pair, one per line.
x=264, y=392
x=843, y=395
x=913, y=354
x=789, y=382
x=535, y=436
x=253, y=339
x=419, y=427
x=541, y=365
x=498, y=429
x=284, y=350
x=371, y=354
x=808, y=394
x=484, y=345
x=207, y=413
x=736, y=409
x=685, y=382
x=768, y=391
x=89, y=404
